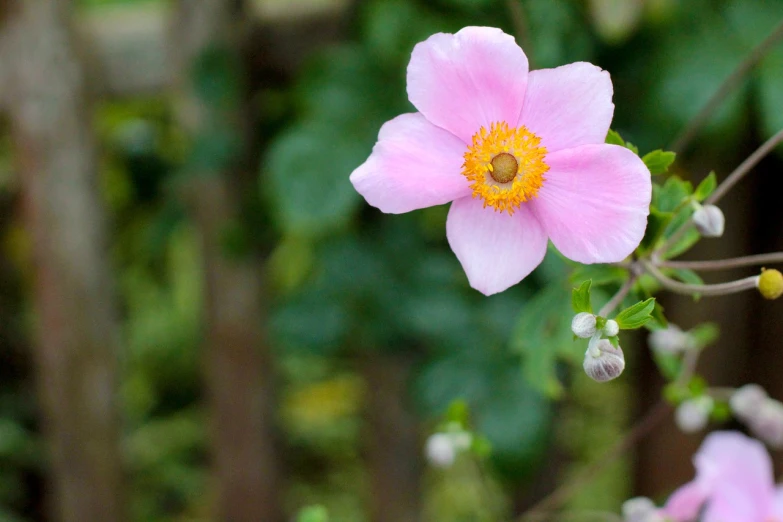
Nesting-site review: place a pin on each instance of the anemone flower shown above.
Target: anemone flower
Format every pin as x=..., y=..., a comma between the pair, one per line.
x=521, y=156
x=734, y=483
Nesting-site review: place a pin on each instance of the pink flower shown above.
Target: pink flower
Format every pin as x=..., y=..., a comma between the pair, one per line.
x=520, y=154
x=734, y=483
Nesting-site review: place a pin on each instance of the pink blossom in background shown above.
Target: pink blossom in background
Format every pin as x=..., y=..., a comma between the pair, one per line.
x=521, y=156
x=734, y=483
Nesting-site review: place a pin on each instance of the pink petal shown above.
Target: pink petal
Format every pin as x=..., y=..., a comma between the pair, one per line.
x=777, y=509
x=594, y=202
x=568, y=106
x=684, y=504
x=413, y=165
x=495, y=249
x=732, y=502
x=465, y=80
x=731, y=458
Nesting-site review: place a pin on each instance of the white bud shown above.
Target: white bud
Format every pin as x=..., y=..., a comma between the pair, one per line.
x=440, y=450
x=641, y=509
x=670, y=340
x=709, y=221
x=767, y=423
x=603, y=362
x=611, y=328
x=583, y=325
x=746, y=401
x=693, y=415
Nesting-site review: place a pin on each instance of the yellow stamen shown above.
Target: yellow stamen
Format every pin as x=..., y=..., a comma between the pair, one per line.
x=505, y=165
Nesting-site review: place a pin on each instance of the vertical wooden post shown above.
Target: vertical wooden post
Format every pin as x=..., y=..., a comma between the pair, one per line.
x=76, y=344
x=238, y=371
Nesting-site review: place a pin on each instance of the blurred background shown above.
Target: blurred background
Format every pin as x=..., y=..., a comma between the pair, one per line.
x=201, y=320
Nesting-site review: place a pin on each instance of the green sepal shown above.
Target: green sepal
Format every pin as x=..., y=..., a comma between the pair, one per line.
x=706, y=187
x=636, y=315
x=580, y=298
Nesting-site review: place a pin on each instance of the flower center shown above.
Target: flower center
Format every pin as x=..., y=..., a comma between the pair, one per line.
x=505, y=165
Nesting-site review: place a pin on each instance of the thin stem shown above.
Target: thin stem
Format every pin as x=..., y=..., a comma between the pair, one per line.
x=745, y=167
x=721, y=393
x=725, y=264
x=725, y=186
x=729, y=84
x=677, y=287
x=617, y=298
x=653, y=417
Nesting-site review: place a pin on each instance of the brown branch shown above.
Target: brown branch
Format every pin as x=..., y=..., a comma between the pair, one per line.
x=725, y=264
x=677, y=287
x=76, y=332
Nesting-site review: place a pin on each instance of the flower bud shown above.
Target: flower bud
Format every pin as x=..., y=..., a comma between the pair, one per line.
x=603, y=362
x=611, y=328
x=583, y=325
x=670, y=340
x=709, y=221
x=641, y=509
x=693, y=415
x=767, y=423
x=440, y=450
x=746, y=401
x=770, y=283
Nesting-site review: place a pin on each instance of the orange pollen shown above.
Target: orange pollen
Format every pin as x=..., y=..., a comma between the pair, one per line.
x=506, y=166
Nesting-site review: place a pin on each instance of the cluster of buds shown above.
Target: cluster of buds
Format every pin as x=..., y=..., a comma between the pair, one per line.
x=442, y=448
x=603, y=361
x=762, y=414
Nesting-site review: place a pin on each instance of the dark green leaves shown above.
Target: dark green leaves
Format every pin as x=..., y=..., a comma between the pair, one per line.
x=658, y=161
x=580, y=298
x=637, y=315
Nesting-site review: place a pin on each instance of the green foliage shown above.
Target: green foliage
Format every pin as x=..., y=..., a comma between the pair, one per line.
x=580, y=298
x=613, y=138
x=636, y=315
x=706, y=187
x=659, y=161
x=313, y=514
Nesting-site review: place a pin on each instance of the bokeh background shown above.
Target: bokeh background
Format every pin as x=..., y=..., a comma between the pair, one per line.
x=201, y=320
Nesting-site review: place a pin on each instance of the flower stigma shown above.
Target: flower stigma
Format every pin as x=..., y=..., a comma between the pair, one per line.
x=506, y=166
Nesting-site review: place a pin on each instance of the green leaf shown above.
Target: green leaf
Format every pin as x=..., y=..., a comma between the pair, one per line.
x=600, y=274
x=706, y=187
x=721, y=412
x=307, y=173
x=580, y=298
x=659, y=161
x=705, y=334
x=636, y=315
x=657, y=223
x=684, y=244
x=458, y=413
x=670, y=196
x=613, y=138
x=313, y=514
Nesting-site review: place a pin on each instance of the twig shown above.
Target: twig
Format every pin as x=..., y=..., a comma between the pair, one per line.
x=686, y=136
x=617, y=298
x=725, y=264
x=732, y=179
x=677, y=287
x=653, y=417
x=745, y=167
